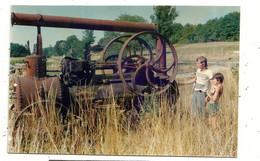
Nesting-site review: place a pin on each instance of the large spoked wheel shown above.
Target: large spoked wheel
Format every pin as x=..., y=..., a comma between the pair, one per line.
x=112, y=58
x=152, y=74
x=131, y=63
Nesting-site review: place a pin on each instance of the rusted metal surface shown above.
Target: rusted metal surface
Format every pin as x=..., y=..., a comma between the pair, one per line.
x=79, y=23
x=154, y=68
x=111, y=60
x=134, y=72
x=35, y=66
x=29, y=90
x=76, y=72
x=161, y=50
x=39, y=41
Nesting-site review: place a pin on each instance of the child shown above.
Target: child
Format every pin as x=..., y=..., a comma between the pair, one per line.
x=213, y=95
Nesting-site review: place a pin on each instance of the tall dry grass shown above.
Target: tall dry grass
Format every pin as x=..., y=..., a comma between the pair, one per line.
x=158, y=130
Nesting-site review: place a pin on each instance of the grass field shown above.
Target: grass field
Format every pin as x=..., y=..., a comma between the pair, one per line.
x=159, y=131
x=13, y=61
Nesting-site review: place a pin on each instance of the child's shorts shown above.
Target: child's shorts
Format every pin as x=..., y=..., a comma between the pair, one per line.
x=213, y=109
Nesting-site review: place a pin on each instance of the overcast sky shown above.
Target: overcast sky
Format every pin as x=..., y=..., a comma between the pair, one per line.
x=187, y=14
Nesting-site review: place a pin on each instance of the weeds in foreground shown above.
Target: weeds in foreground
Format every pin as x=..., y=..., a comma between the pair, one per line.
x=159, y=129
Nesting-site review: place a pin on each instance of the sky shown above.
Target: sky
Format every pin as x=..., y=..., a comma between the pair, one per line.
x=187, y=14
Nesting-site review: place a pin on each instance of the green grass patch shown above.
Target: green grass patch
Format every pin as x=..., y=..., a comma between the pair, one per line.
x=19, y=60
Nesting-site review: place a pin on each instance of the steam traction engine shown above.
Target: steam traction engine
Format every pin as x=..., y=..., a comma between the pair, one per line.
x=146, y=65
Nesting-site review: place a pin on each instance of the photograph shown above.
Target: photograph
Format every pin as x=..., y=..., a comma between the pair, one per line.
x=160, y=80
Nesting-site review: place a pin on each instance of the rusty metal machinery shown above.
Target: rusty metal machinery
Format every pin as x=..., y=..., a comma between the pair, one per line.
x=139, y=68
x=79, y=23
x=30, y=90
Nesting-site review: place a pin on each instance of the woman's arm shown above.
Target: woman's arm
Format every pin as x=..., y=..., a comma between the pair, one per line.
x=188, y=82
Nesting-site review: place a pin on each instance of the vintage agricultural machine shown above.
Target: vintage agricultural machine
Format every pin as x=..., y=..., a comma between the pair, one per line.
x=146, y=65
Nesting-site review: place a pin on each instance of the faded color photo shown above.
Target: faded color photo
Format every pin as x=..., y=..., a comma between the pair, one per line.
x=124, y=80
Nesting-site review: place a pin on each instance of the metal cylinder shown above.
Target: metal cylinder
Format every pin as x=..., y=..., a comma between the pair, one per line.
x=79, y=23
x=36, y=66
x=39, y=41
x=160, y=47
x=29, y=90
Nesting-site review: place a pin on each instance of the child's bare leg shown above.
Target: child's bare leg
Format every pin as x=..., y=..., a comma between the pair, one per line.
x=210, y=120
x=214, y=122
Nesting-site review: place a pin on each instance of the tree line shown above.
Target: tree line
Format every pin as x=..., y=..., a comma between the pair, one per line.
x=218, y=29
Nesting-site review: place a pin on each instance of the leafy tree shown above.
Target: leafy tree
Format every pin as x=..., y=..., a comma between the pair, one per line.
x=115, y=48
x=223, y=29
x=230, y=26
x=74, y=47
x=177, y=33
x=135, y=18
x=197, y=33
x=213, y=30
x=48, y=51
x=108, y=35
x=88, y=37
x=164, y=17
x=87, y=40
x=60, y=48
x=188, y=33
x=208, y=30
x=18, y=50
